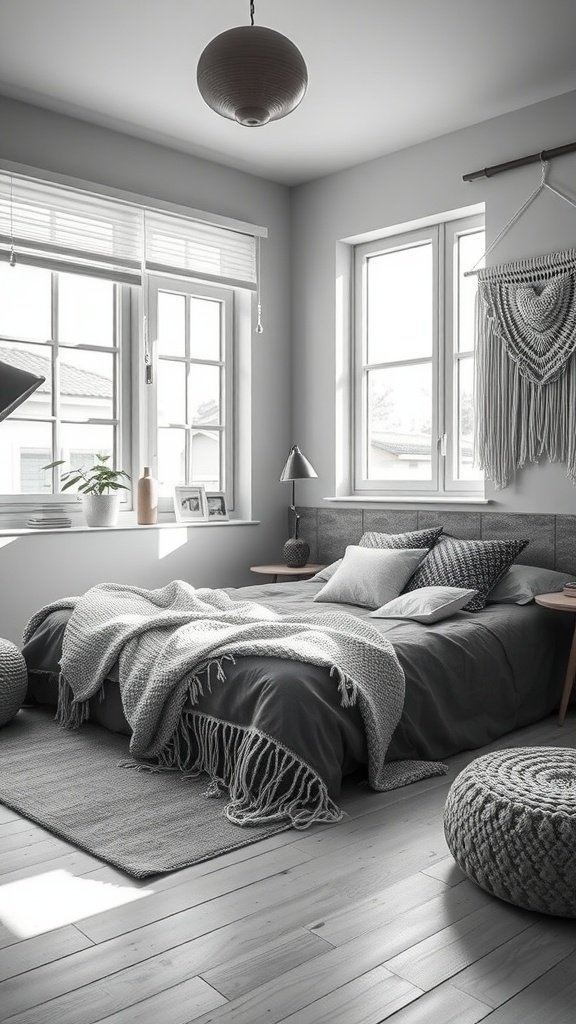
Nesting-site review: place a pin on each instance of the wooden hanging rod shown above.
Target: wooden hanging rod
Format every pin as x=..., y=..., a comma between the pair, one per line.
x=510, y=165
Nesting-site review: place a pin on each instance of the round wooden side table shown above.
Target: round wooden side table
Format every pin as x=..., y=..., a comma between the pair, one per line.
x=304, y=572
x=561, y=603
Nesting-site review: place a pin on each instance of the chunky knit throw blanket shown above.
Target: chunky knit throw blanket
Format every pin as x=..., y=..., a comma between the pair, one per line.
x=164, y=640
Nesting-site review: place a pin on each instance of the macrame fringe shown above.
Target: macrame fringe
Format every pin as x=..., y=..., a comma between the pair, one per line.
x=518, y=422
x=265, y=782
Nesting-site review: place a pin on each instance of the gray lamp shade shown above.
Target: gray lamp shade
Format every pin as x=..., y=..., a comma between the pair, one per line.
x=15, y=387
x=252, y=75
x=297, y=466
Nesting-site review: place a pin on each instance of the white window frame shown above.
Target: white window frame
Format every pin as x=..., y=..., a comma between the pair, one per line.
x=122, y=421
x=443, y=237
x=225, y=296
x=452, y=231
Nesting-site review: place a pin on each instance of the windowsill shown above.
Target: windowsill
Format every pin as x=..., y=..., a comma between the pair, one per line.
x=27, y=532
x=411, y=499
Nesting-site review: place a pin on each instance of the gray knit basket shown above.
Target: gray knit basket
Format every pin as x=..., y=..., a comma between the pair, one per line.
x=510, y=824
x=13, y=681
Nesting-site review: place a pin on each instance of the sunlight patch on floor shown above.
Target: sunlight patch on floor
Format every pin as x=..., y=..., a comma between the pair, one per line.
x=39, y=904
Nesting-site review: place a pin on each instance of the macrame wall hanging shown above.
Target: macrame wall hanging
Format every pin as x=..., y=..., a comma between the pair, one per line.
x=525, y=387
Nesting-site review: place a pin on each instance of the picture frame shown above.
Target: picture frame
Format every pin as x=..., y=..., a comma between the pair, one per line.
x=190, y=503
x=217, y=508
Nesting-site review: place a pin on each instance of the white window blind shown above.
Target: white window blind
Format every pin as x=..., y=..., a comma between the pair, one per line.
x=67, y=229
x=175, y=245
x=64, y=228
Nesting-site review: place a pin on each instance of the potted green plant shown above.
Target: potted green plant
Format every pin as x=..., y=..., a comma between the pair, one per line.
x=100, y=488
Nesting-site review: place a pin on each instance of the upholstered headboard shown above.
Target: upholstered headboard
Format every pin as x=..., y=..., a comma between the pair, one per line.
x=552, y=538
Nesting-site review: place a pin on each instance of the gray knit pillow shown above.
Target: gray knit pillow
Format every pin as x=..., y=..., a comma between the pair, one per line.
x=412, y=539
x=370, y=577
x=471, y=564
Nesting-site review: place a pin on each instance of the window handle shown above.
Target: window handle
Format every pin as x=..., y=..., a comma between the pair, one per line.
x=443, y=443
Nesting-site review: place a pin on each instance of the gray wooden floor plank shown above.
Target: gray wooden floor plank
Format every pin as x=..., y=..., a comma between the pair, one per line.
x=549, y=1000
x=237, y=976
x=513, y=966
x=443, y=1005
x=369, y=999
x=177, y=1005
x=448, y=951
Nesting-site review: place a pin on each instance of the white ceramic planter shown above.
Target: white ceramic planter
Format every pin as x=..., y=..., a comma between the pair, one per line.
x=101, y=509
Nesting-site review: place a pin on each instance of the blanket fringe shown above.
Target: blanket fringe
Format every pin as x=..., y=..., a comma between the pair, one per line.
x=203, y=677
x=70, y=713
x=266, y=783
x=347, y=688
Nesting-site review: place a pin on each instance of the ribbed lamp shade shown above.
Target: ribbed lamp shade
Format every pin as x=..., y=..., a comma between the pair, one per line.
x=252, y=75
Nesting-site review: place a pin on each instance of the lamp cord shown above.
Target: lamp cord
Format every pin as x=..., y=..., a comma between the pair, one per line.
x=251, y=12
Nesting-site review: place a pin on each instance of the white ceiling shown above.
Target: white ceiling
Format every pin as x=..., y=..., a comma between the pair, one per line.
x=383, y=74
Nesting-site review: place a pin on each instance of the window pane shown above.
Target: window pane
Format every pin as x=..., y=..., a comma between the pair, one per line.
x=400, y=423
x=80, y=443
x=25, y=302
x=470, y=249
x=204, y=394
x=171, y=459
x=171, y=324
x=464, y=449
x=36, y=359
x=206, y=459
x=204, y=328
x=25, y=447
x=86, y=385
x=85, y=310
x=171, y=392
x=400, y=308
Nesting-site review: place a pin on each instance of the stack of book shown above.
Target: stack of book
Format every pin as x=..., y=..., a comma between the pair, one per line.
x=49, y=517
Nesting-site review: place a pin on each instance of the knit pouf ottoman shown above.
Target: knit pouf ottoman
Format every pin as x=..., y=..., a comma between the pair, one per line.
x=13, y=681
x=510, y=824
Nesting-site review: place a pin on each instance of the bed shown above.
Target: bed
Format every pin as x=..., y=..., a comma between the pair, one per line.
x=469, y=679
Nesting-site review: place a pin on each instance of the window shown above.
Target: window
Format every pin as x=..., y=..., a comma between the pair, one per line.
x=413, y=361
x=191, y=328
x=67, y=328
x=71, y=311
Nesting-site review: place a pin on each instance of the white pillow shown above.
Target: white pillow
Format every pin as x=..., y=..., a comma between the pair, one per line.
x=427, y=604
x=522, y=582
x=371, y=576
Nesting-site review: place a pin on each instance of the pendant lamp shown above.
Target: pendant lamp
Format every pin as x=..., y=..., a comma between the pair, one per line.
x=252, y=75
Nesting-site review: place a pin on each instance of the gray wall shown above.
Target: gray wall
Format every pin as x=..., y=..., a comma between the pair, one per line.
x=34, y=570
x=418, y=182
x=422, y=181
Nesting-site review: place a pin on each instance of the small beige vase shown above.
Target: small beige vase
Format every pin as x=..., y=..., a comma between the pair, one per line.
x=147, y=499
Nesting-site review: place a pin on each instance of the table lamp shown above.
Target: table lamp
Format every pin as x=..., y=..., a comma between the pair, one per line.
x=296, y=551
x=15, y=387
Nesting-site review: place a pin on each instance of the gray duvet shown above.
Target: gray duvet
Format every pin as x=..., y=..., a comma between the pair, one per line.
x=469, y=679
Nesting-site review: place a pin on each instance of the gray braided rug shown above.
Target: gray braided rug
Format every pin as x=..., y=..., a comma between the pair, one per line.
x=510, y=823
x=143, y=823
